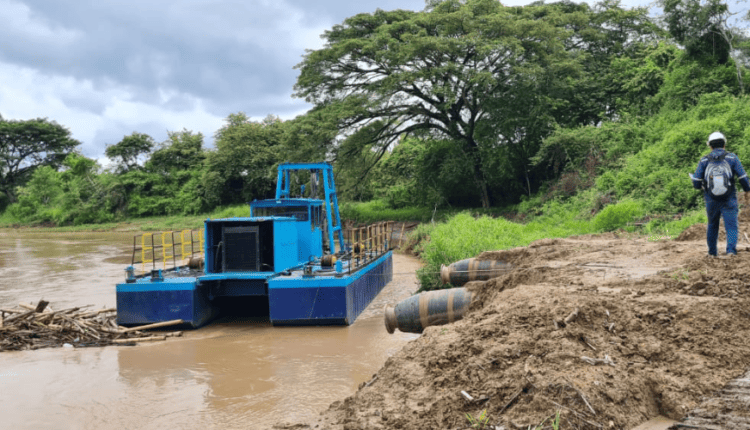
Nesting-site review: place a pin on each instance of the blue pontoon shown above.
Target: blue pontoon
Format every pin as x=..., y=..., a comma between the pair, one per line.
x=290, y=251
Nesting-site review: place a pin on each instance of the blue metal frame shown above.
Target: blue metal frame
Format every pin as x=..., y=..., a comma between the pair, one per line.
x=283, y=191
x=285, y=242
x=309, y=233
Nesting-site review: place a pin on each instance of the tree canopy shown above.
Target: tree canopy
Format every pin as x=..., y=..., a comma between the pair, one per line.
x=464, y=71
x=466, y=103
x=243, y=165
x=128, y=152
x=28, y=145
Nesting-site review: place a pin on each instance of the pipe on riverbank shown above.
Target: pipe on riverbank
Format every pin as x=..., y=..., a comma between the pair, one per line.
x=471, y=269
x=426, y=309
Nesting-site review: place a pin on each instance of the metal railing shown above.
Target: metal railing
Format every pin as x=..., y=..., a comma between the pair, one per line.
x=368, y=242
x=169, y=249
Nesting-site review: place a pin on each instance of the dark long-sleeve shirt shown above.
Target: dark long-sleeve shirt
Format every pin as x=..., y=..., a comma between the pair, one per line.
x=730, y=158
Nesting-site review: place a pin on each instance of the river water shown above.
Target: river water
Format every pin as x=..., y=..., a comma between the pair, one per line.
x=238, y=373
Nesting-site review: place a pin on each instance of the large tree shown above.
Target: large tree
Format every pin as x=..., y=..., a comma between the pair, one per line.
x=400, y=72
x=27, y=145
x=471, y=71
x=130, y=150
x=243, y=166
x=182, y=151
x=703, y=27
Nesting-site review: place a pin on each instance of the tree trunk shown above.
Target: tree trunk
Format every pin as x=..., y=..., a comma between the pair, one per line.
x=11, y=195
x=479, y=180
x=528, y=183
x=484, y=193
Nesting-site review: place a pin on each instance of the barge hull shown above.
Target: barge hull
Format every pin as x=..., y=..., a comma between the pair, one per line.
x=327, y=299
x=147, y=302
x=293, y=300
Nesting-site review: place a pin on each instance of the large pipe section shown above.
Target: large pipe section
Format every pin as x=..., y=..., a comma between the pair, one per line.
x=471, y=269
x=425, y=309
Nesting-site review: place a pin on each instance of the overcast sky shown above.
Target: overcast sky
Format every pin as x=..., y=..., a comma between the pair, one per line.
x=105, y=69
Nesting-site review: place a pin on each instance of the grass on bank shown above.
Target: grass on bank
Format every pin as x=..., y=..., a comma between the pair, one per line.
x=159, y=223
x=378, y=210
x=465, y=236
x=359, y=212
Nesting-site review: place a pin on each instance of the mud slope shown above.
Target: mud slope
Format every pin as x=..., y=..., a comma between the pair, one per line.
x=659, y=328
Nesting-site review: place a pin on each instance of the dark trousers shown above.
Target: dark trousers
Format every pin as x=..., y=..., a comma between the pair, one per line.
x=716, y=209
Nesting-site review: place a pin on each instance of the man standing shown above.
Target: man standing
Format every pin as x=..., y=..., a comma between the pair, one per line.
x=715, y=175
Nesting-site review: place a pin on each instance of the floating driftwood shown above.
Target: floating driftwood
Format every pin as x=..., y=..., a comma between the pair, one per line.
x=39, y=326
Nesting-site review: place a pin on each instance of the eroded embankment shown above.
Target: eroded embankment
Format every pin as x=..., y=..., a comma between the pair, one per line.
x=659, y=326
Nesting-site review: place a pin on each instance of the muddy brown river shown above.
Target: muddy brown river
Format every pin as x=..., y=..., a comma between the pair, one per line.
x=234, y=373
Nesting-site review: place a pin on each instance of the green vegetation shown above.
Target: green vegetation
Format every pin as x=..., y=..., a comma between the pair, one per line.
x=160, y=223
x=566, y=118
x=554, y=422
x=26, y=146
x=478, y=422
x=617, y=215
x=379, y=210
x=465, y=236
x=465, y=104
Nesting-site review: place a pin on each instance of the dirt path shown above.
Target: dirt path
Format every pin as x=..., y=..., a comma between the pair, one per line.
x=659, y=327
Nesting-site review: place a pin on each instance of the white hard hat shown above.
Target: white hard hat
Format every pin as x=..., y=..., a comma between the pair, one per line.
x=717, y=135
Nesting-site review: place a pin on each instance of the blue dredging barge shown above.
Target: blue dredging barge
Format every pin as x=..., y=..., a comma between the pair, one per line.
x=290, y=251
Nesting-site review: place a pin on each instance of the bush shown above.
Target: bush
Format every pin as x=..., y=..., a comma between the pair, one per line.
x=617, y=216
x=464, y=236
x=236, y=211
x=379, y=210
x=672, y=228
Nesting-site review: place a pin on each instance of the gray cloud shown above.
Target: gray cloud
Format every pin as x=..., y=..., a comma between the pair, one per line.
x=226, y=52
x=106, y=69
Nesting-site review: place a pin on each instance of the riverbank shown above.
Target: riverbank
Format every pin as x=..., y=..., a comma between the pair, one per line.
x=134, y=225
x=658, y=327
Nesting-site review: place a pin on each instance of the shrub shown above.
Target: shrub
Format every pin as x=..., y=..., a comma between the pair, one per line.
x=672, y=228
x=617, y=216
x=464, y=236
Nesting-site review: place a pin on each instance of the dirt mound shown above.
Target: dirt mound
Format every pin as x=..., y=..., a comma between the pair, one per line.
x=695, y=232
x=652, y=327
x=698, y=231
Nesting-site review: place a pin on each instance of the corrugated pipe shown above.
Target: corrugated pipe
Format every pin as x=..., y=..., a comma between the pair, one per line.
x=471, y=269
x=425, y=309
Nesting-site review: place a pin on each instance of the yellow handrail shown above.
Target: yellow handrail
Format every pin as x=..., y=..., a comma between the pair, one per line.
x=165, y=247
x=149, y=250
x=145, y=248
x=184, y=236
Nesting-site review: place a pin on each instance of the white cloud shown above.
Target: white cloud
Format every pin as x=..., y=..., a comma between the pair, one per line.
x=98, y=114
x=104, y=70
